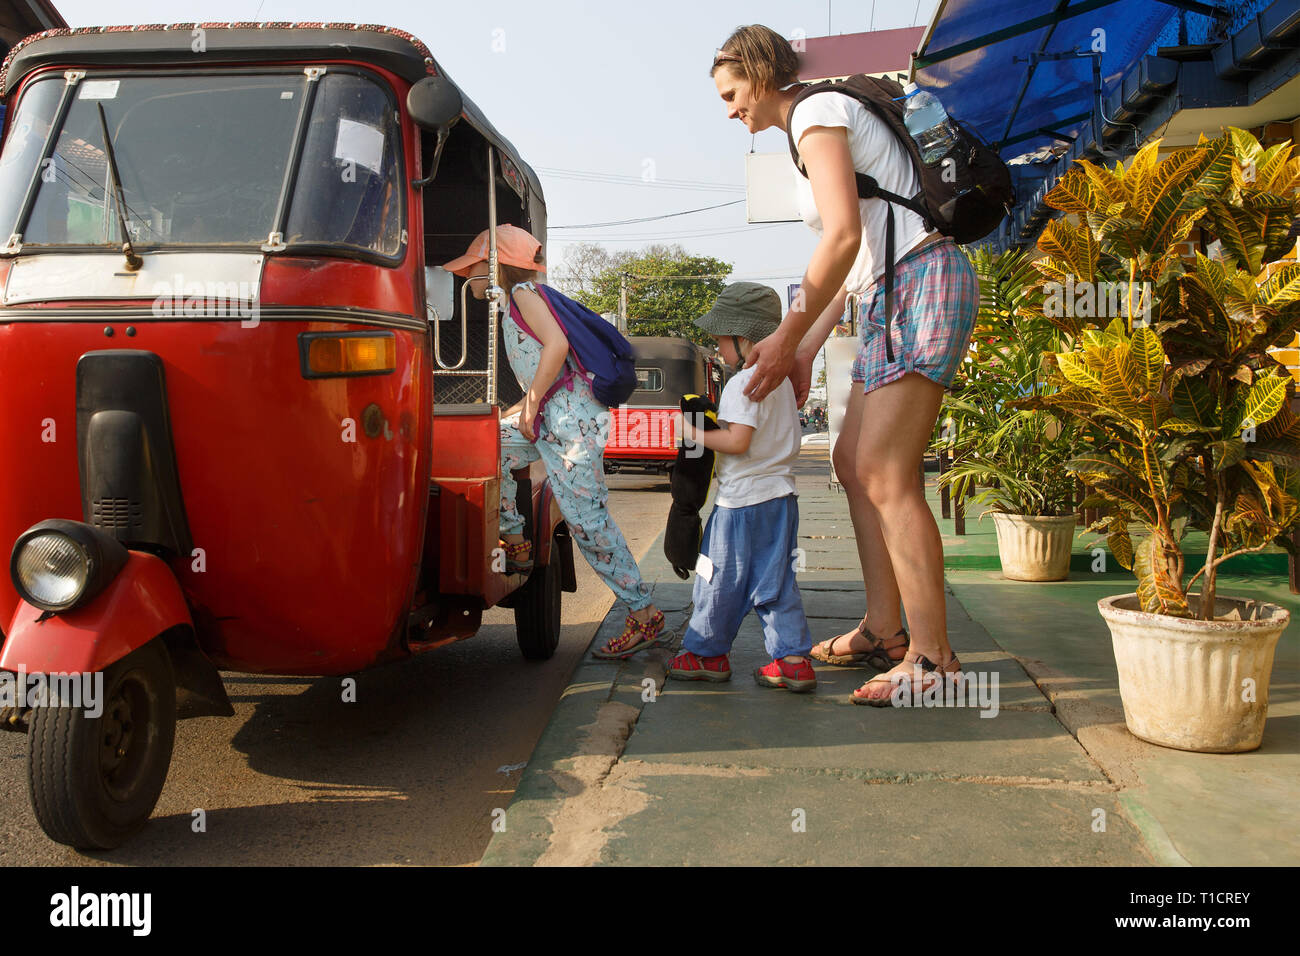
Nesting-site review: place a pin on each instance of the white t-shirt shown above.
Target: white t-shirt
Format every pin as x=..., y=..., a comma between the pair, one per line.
x=876, y=151
x=766, y=470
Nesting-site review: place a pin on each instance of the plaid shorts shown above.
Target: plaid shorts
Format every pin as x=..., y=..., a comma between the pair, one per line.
x=936, y=297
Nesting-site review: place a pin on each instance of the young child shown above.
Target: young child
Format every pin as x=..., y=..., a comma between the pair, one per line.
x=747, y=553
x=568, y=435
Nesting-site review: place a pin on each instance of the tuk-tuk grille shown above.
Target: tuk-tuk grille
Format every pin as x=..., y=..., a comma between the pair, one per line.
x=120, y=513
x=469, y=385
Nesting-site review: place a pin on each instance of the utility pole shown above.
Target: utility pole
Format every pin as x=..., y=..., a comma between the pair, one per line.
x=622, y=302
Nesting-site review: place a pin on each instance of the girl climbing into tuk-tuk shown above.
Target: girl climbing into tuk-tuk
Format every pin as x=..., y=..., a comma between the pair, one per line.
x=567, y=431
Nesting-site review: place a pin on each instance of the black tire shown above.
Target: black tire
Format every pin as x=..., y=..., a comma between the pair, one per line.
x=94, y=781
x=537, y=612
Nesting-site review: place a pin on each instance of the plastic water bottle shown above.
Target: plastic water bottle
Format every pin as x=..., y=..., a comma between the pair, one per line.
x=928, y=123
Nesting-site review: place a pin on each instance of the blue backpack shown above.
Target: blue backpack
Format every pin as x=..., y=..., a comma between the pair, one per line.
x=597, y=350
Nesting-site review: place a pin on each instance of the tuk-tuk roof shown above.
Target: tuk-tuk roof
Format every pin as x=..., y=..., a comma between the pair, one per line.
x=159, y=44
x=664, y=347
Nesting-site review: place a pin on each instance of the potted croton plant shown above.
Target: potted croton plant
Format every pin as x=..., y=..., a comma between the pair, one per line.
x=1191, y=413
x=1018, y=454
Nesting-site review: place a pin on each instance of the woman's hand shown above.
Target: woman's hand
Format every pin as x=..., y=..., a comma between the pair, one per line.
x=771, y=360
x=801, y=378
x=527, y=415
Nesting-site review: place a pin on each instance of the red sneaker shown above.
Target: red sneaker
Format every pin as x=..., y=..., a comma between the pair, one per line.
x=799, y=678
x=686, y=666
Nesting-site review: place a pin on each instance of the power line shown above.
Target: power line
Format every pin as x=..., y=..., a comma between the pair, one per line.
x=672, y=236
x=667, y=215
x=583, y=175
x=717, y=275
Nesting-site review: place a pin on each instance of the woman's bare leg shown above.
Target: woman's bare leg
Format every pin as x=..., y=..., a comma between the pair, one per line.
x=896, y=423
x=879, y=584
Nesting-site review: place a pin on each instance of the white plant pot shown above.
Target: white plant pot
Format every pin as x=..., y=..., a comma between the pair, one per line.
x=1034, y=548
x=1190, y=684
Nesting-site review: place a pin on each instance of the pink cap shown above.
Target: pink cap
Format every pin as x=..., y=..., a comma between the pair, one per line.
x=515, y=247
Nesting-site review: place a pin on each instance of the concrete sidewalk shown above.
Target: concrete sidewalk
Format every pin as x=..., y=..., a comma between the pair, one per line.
x=632, y=770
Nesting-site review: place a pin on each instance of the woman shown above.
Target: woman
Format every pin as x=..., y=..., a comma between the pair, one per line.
x=893, y=405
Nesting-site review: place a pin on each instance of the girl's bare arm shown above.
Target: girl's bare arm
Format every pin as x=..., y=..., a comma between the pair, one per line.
x=555, y=348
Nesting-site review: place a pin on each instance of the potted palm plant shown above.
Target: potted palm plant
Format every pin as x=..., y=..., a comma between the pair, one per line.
x=1193, y=418
x=1018, y=454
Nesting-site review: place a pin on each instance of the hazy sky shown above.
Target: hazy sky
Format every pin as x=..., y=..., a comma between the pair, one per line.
x=616, y=89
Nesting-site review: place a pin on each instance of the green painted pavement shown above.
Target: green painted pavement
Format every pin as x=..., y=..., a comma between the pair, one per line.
x=733, y=773
x=978, y=547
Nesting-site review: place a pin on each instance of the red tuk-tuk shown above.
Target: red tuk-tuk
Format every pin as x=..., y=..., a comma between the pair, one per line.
x=641, y=434
x=246, y=425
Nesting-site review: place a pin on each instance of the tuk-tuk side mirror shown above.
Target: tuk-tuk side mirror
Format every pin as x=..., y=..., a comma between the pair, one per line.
x=434, y=102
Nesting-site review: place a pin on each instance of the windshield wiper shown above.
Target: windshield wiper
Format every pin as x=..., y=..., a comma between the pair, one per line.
x=133, y=261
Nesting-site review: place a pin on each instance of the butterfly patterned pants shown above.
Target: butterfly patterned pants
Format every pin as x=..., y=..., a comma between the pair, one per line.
x=571, y=435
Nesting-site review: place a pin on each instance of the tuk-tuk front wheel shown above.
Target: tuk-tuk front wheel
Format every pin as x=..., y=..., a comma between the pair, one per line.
x=537, y=613
x=94, y=781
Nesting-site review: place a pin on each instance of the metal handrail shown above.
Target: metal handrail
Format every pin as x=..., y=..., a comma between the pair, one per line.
x=494, y=293
x=494, y=296
x=464, y=336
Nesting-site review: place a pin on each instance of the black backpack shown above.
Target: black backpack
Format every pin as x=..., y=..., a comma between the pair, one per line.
x=964, y=196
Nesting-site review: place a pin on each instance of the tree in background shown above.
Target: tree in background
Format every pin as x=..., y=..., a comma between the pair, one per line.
x=655, y=306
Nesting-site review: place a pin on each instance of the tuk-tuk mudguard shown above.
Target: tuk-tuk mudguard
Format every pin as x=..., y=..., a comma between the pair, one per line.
x=143, y=601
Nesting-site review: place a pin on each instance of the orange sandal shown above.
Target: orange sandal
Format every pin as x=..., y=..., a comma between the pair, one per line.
x=929, y=672
x=640, y=636
x=514, y=563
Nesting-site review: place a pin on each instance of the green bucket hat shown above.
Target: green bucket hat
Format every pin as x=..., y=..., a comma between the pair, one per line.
x=750, y=309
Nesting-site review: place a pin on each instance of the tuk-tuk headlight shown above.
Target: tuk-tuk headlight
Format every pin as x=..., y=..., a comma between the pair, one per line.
x=58, y=565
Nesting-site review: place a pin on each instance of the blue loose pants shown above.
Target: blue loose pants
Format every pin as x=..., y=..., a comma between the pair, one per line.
x=753, y=551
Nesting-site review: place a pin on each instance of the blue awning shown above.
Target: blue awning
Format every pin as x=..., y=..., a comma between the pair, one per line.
x=996, y=64
x=1012, y=70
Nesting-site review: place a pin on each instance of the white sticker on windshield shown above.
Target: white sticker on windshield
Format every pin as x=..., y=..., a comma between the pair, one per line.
x=360, y=144
x=287, y=95
x=98, y=90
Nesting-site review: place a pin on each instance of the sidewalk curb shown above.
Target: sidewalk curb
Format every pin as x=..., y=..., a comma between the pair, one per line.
x=1157, y=839
x=589, y=728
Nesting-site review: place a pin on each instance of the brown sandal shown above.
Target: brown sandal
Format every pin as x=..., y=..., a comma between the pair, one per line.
x=877, y=656
x=948, y=670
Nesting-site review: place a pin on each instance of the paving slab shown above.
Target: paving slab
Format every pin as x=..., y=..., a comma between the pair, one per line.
x=703, y=820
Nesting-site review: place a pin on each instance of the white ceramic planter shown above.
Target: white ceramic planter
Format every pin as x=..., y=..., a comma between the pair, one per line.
x=1195, y=685
x=1034, y=548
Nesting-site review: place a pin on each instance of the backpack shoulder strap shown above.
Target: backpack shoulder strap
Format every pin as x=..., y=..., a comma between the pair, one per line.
x=519, y=317
x=549, y=297
x=879, y=95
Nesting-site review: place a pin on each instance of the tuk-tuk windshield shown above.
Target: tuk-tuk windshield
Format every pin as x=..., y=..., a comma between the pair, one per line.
x=202, y=161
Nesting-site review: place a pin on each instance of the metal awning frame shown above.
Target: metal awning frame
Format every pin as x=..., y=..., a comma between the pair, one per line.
x=1063, y=11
